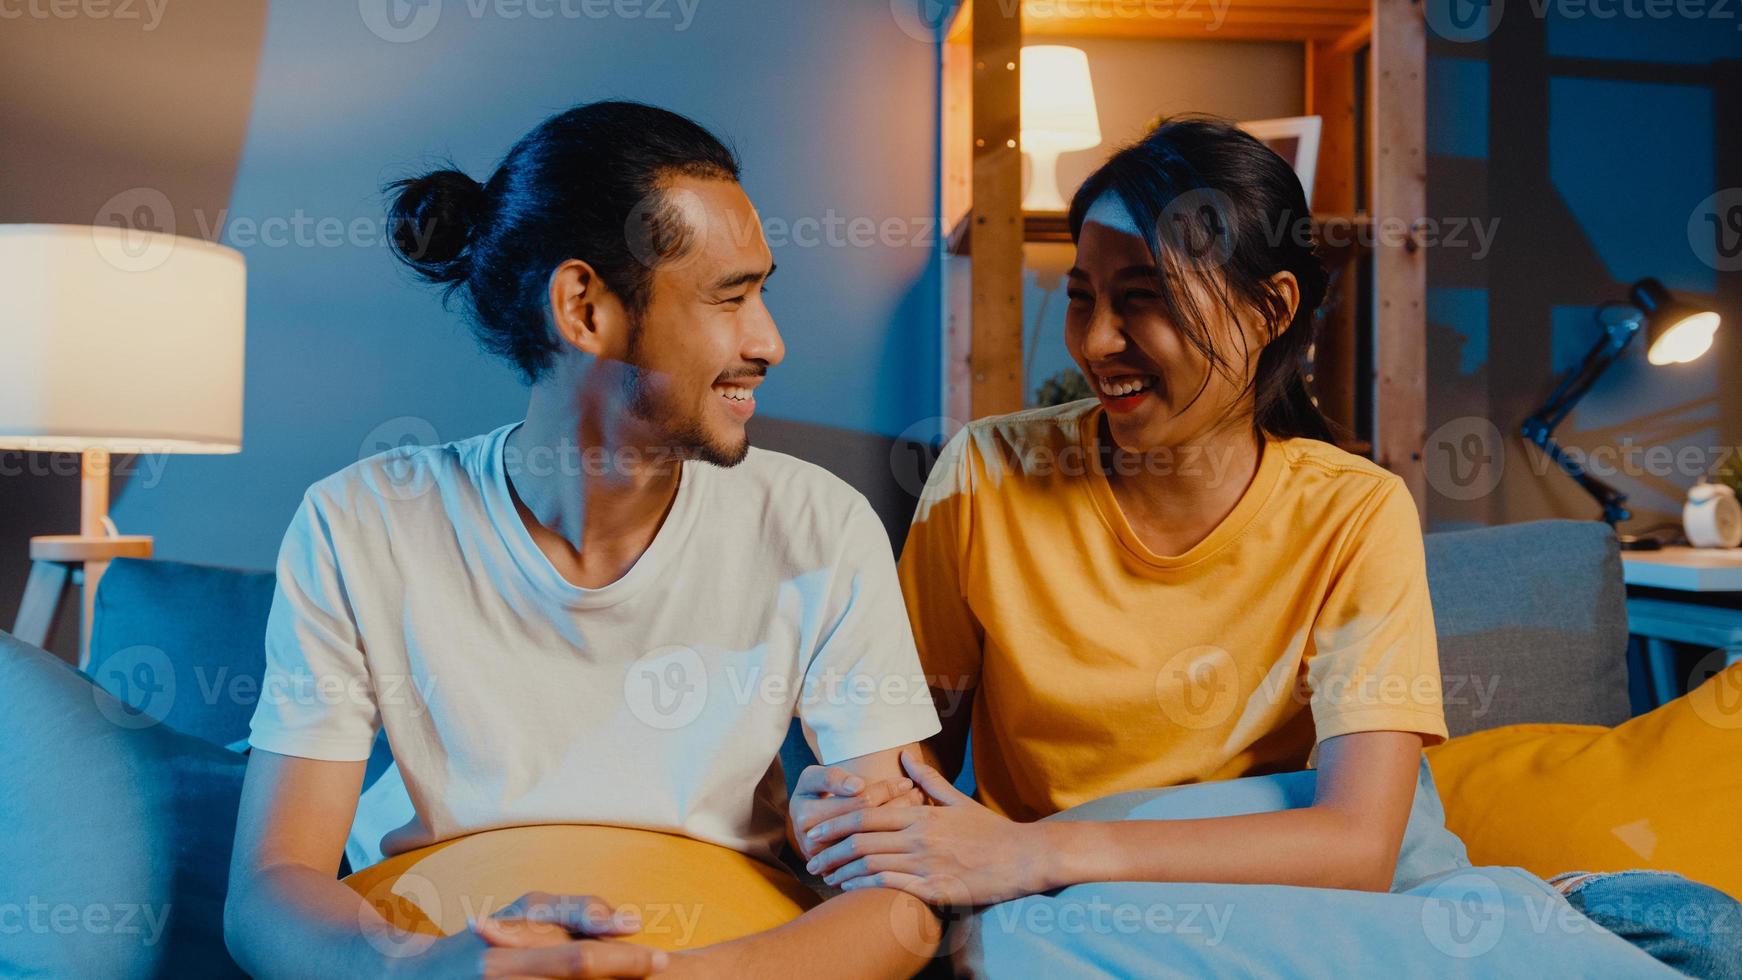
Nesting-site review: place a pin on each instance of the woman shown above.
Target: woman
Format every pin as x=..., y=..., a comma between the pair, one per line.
x=1188, y=541
x=1181, y=580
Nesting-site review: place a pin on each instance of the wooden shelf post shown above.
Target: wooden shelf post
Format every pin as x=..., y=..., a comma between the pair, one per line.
x=1399, y=187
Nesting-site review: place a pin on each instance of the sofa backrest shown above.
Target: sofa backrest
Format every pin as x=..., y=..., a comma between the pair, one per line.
x=183, y=643
x=1531, y=621
x=1532, y=624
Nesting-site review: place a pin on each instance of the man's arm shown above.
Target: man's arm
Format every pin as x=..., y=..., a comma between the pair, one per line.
x=288, y=915
x=870, y=933
x=946, y=750
x=287, y=911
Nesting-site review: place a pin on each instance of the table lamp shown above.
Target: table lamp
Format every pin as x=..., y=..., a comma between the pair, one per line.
x=113, y=341
x=1058, y=115
x=1675, y=333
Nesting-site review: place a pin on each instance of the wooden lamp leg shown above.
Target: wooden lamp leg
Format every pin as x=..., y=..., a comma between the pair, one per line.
x=53, y=557
x=93, y=511
x=43, y=593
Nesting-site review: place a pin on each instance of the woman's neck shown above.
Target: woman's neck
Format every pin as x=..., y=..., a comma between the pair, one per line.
x=1175, y=496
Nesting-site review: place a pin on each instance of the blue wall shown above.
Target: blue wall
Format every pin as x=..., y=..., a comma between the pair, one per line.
x=830, y=103
x=1592, y=140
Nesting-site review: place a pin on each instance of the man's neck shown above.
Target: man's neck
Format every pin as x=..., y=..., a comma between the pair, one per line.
x=587, y=485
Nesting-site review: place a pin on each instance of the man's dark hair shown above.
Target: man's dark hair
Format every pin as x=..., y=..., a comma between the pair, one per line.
x=579, y=186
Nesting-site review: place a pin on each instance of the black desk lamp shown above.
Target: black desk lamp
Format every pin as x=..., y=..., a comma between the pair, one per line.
x=1675, y=333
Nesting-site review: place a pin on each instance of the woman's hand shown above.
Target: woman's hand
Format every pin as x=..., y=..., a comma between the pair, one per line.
x=954, y=853
x=825, y=792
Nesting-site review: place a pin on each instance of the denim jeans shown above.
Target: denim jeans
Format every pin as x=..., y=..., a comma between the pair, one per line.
x=1692, y=927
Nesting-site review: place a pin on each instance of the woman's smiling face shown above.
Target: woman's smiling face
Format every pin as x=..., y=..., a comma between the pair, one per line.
x=1160, y=390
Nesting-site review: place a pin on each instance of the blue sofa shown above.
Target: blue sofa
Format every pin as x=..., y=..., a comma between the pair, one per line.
x=118, y=788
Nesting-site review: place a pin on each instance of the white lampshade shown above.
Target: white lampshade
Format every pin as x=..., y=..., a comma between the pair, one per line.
x=119, y=340
x=1686, y=340
x=1058, y=101
x=1058, y=115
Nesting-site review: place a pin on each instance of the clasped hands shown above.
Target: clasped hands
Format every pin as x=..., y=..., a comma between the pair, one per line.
x=538, y=936
x=919, y=835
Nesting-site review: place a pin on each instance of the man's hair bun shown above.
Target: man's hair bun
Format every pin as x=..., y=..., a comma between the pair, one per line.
x=434, y=219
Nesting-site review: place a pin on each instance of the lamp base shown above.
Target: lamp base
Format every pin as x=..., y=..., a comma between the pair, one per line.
x=1043, y=183
x=1634, y=542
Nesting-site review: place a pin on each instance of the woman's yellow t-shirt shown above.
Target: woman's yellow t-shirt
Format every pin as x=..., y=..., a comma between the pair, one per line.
x=1097, y=666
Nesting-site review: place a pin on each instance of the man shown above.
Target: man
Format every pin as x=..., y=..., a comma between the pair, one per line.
x=530, y=614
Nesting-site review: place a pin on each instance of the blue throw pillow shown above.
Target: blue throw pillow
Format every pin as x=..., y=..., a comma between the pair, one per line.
x=185, y=644
x=114, y=856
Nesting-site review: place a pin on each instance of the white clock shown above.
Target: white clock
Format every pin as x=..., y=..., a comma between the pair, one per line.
x=1712, y=518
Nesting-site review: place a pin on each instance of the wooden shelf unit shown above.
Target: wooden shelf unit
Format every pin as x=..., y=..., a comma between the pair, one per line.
x=982, y=177
x=1350, y=238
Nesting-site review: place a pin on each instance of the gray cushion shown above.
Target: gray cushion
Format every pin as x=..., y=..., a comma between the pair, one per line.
x=117, y=832
x=1532, y=623
x=183, y=643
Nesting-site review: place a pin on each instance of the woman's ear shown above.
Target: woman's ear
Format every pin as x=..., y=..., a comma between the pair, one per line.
x=1288, y=288
x=587, y=316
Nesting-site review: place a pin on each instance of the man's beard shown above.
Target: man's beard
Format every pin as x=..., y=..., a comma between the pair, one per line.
x=685, y=437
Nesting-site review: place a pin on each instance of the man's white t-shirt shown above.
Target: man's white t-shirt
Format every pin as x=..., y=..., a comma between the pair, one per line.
x=412, y=598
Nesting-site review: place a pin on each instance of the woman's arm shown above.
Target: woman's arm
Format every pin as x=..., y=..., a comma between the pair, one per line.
x=960, y=852
x=1348, y=838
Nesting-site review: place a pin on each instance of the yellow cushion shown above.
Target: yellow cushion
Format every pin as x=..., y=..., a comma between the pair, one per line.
x=1661, y=791
x=689, y=894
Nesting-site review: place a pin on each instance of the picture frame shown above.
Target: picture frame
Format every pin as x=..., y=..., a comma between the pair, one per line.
x=1295, y=139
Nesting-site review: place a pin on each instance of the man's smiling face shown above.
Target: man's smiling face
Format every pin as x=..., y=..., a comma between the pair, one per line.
x=705, y=340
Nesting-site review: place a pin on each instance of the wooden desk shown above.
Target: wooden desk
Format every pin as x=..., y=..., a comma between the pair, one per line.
x=1712, y=619
x=1685, y=569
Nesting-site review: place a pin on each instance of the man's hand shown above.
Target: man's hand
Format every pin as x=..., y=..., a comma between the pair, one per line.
x=542, y=935
x=825, y=792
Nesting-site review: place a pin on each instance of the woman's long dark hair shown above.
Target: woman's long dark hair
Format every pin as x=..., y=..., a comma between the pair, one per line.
x=1216, y=204
x=574, y=187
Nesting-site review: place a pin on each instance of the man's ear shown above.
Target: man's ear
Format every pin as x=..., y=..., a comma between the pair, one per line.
x=585, y=313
